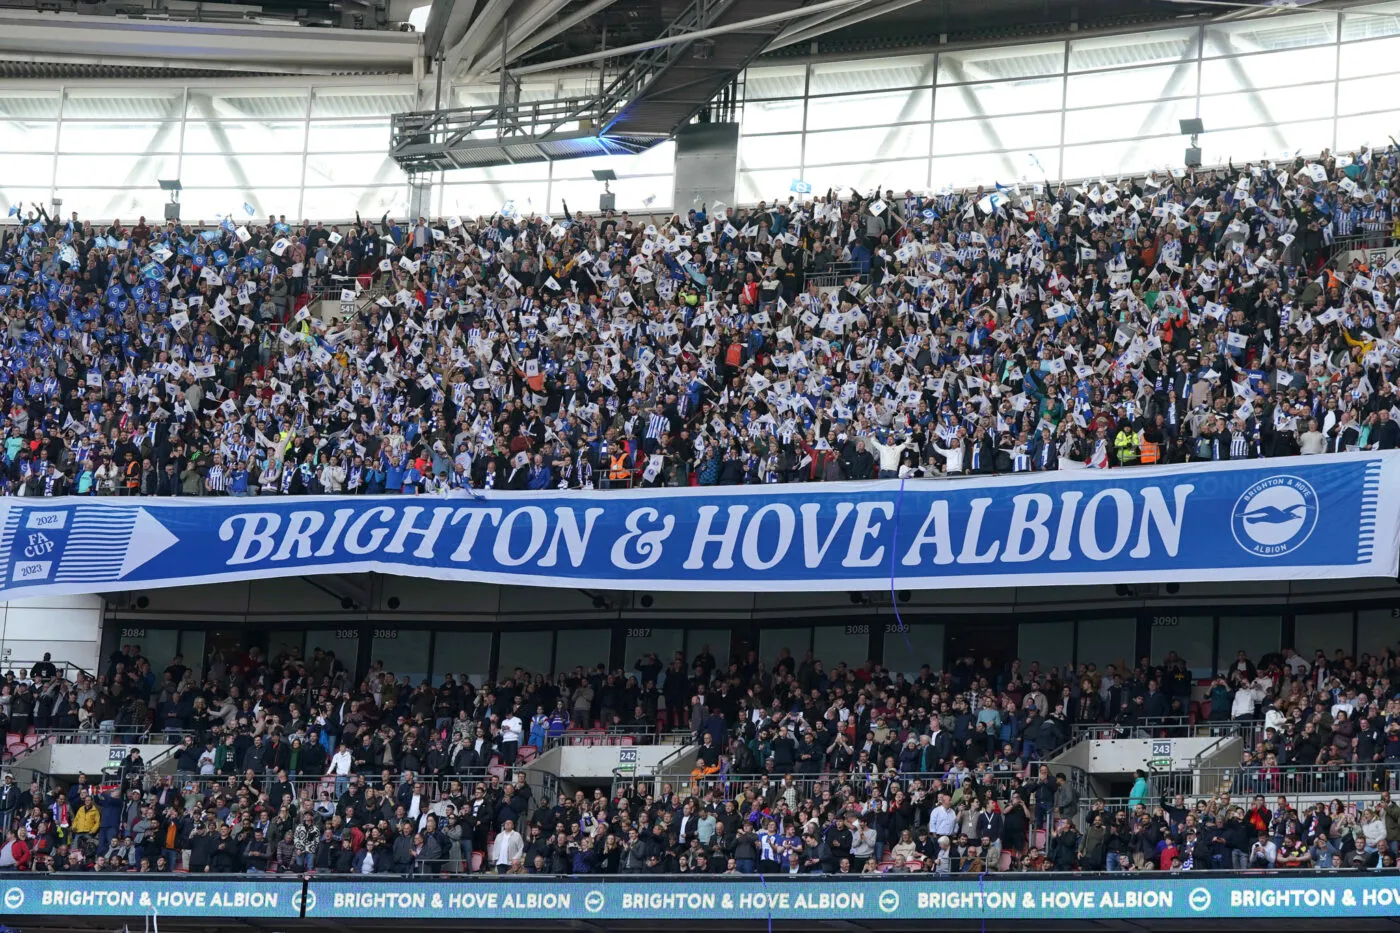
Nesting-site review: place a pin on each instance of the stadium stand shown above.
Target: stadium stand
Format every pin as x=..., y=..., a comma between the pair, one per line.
x=286, y=764
x=1169, y=318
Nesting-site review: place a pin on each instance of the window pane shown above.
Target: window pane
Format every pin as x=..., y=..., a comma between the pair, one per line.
x=462, y=654
x=119, y=137
x=404, y=653
x=1378, y=19
x=1169, y=45
x=662, y=642
x=1256, y=636
x=1272, y=141
x=1287, y=32
x=658, y=160
x=16, y=195
x=770, y=151
x=986, y=168
x=348, y=136
x=30, y=169
x=1030, y=131
x=1276, y=70
x=1377, y=630
x=159, y=646
x=1050, y=643
x=527, y=171
x=1364, y=95
x=871, y=74
x=1107, y=641
x=14, y=103
x=911, y=173
x=361, y=168
x=990, y=100
x=588, y=647
x=832, y=644
x=136, y=171
x=27, y=135
x=798, y=641
x=244, y=103
x=1359, y=131
x=245, y=136
x=1326, y=632
x=133, y=102
x=242, y=170
x=920, y=643
x=485, y=199
x=830, y=113
x=1191, y=637
x=346, y=650
x=771, y=116
x=753, y=187
x=205, y=204
x=530, y=651
x=1124, y=87
x=342, y=203
x=1019, y=61
x=360, y=101
x=645, y=194
x=1126, y=121
x=1250, y=107
x=888, y=142
x=776, y=81
x=714, y=640
x=106, y=203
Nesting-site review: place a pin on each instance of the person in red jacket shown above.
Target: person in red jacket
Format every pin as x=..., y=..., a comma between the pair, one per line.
x=14, y=853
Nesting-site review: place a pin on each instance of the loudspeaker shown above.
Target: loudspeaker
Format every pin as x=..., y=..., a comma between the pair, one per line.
x=1193, y=157
x=607, y=201
x=172, y=211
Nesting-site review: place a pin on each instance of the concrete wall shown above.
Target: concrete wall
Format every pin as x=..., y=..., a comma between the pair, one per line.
x=67, y=627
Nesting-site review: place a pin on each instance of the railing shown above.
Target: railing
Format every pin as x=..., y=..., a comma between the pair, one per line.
x=619, y=735
x=836, y=274
x=67, y=670
x=1315, y=779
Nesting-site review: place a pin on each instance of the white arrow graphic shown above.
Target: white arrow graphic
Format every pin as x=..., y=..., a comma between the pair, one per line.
x=149, y=539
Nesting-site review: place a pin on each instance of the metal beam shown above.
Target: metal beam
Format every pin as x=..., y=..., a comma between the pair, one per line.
x=447, y=23
x=469, y=46
x=520, y=26
x=841, y=22
x=527, y=44
x=807, y=24
x=756, y=23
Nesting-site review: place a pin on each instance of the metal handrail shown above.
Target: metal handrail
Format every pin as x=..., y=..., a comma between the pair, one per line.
x=619, y=735
x=21, y=668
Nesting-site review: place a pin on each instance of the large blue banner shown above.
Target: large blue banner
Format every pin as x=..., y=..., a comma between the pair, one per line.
x=266, y=896
x=871, y=898
x=1316, y=517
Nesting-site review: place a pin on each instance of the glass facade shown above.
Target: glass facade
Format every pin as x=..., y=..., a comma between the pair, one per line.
x=1071, y=109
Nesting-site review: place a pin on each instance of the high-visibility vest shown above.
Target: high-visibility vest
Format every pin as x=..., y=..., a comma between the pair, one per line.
x=619, y=469
x=1151, y=452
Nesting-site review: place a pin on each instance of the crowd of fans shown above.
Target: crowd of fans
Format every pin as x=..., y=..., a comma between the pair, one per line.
x=291, y=763
x=1175, y=317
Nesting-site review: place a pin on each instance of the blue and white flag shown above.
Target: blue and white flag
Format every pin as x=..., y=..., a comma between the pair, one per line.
x=799, y=186
x=248, y=209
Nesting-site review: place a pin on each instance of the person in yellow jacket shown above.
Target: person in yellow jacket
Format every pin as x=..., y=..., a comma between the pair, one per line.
x=1127, y=444
x=88, y=820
